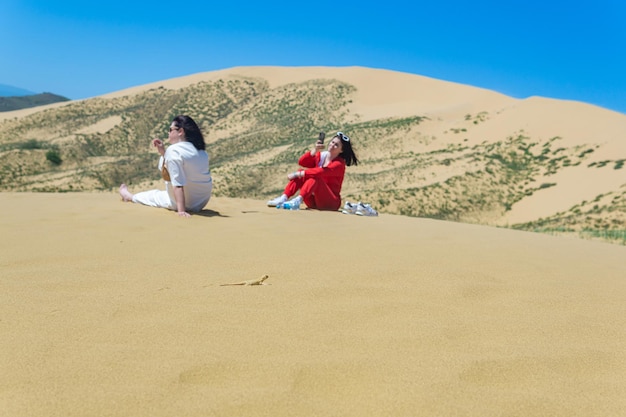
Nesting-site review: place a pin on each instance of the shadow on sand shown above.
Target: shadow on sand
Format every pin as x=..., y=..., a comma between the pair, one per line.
x=209, y=213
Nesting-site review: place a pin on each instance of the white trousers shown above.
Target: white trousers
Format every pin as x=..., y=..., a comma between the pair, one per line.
x=165, y=199
x=155, y=198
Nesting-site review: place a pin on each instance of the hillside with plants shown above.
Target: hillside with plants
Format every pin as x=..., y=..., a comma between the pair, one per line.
x=468, y=165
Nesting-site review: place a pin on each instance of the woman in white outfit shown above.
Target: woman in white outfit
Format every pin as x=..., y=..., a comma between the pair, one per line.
x=189, y=186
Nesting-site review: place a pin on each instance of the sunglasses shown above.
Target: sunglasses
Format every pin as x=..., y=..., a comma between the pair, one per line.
x=343, y=137
x=174, y=128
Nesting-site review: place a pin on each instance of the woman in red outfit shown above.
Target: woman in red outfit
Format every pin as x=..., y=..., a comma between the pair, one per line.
x=320, y=182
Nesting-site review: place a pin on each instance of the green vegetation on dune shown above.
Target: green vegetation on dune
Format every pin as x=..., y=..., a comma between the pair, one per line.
x=602, y=218
x=489, y=179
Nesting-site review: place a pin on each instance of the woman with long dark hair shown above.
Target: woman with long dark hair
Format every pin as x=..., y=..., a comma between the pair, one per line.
x=184, y=166
x=321, y=180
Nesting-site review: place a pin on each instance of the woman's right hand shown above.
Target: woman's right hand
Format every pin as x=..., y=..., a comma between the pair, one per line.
x=319, y=147
x=158, y=143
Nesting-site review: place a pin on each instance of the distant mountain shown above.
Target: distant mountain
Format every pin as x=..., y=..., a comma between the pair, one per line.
x=24, y=102
x=10, y=91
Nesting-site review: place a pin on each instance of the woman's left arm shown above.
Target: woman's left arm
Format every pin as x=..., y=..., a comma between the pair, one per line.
x=179, y=195
x=336, y=168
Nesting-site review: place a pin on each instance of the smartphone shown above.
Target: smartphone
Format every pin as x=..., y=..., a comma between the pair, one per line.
x=321, y=137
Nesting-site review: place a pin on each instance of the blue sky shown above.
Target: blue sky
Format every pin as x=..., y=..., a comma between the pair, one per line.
x=558, y=49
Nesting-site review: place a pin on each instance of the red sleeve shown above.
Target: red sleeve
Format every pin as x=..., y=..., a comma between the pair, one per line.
x=308, y=161
x=336, y=168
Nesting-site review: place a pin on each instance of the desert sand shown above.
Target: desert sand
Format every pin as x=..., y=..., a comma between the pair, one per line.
x=115, y=309
x=383, y=94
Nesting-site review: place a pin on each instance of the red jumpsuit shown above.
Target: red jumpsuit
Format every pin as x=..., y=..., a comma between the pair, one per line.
x=320, y=187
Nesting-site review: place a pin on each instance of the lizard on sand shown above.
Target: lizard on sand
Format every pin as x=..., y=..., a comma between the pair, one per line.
x=259, y=281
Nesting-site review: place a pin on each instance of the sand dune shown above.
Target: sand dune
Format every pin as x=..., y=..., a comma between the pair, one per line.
x=114, y=309
x=454, y=114
x=380, y=93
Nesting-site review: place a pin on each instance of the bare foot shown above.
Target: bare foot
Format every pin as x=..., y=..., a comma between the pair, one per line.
x=125, y=194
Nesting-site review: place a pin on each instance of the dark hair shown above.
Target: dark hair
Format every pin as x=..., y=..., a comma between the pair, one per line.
x=192, y=131
x=347, y=153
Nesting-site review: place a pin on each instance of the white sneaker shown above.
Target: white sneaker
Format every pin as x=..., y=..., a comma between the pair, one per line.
x=349, y=208
x=277, y=201
x=365, y=210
